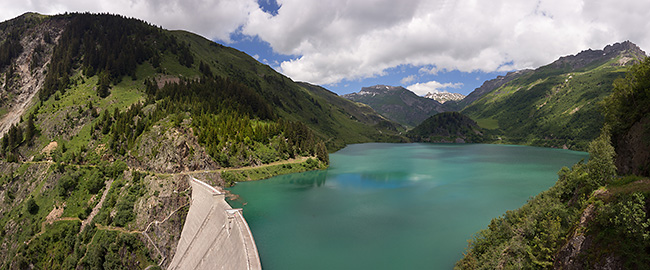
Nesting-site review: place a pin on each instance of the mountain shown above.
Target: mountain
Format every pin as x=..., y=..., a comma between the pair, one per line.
x=447, y=127
x=489, y=86
x=556, y=105
x=357, y=112
x=443, y=97
x=290, y=100
x=397, y=103
x=103, y=118
x=596, y=214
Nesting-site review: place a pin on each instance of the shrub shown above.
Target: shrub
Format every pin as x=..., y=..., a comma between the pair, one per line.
x=31, y=206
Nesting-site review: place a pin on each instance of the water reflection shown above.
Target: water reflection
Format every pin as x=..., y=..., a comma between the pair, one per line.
x=306, y=180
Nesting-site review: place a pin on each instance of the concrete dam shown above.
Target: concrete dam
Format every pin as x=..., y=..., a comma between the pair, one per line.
x=214, y=235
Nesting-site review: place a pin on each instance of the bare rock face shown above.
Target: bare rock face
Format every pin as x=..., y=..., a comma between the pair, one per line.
x=629, y=52
x=170, y=150
x=27, y=72
x=572, y=256
x=161, y=214
x=569, y=256
x=633, y=149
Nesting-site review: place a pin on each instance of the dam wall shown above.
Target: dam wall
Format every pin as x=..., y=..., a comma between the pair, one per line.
x=214, y=235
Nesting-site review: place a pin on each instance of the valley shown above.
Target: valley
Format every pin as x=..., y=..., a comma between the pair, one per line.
x=105, y=119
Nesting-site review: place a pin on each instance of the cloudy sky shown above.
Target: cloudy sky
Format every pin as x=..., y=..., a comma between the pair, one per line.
x=425, y=45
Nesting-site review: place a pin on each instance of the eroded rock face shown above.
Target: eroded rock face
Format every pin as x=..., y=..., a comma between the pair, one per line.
x=170, y=150
x=29, y=70
x=160, y=215
x=633, y=149
x=569, y=256
x=573, y=255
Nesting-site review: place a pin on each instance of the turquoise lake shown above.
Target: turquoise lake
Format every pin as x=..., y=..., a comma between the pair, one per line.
x=393, y=206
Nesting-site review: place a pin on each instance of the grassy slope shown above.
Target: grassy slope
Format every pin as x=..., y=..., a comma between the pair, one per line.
x=591, y=218
x=329, y=116
x=66, y=118
x=549, y=107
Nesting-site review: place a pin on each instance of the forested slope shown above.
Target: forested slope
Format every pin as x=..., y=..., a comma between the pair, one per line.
x=452, y=127
x=94, y=167
x=596, y=215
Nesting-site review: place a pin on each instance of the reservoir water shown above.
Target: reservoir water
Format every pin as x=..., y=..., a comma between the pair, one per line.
x=393, y=206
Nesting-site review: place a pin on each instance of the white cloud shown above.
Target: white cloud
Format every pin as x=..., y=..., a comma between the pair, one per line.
x=408, y=79
x=210, y=18
x=429, y=70
x=422, y=89
x=340, y=39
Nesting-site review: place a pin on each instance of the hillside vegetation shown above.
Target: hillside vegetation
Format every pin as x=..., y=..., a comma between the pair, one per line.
x=556, y=105
x=111, y=114
x=450, y=127
x=593, y=217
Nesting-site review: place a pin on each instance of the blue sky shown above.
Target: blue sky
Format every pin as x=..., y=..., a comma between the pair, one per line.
x=424, y=45
x=468, y=81
x=403, y=75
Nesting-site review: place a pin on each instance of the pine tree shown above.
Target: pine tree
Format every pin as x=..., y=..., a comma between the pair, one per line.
x=30, y=129
x=321, y=152
x=103, y=84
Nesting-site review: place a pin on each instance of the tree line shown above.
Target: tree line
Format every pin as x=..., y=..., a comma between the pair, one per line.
x=233, y=122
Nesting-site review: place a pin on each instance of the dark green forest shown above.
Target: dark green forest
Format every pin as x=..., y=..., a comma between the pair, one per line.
x=447, y=126
x=109, y=45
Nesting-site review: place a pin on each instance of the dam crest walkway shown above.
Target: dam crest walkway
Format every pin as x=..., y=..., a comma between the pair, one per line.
x=214, y=235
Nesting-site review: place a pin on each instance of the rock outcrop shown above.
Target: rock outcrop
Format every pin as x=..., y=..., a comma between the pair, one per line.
x=628, y=52
x=170, y=150
x=443, y=97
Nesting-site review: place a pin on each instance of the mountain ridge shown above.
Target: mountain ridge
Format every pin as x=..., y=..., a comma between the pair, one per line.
x=443, y=97
x=397, y=103
x=556, y=105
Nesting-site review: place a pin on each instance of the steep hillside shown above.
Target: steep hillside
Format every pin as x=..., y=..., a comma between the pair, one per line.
x=489, y=86
x=104, y=117
x=627, y=112
x=555, y=105
x=359, y=112
x=289, y=100
x=397, y=104
x=26, y=45
x=596, y=215
x=447, y=127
